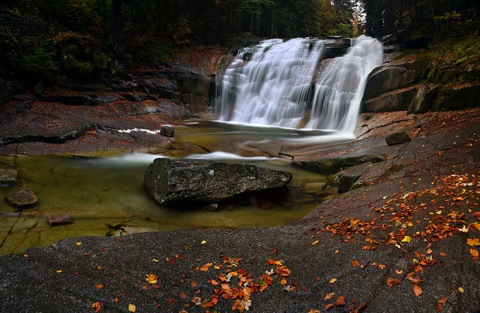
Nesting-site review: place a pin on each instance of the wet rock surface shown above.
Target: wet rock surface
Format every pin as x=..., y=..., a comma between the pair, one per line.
x=22, y=198
x=391, y=245
x=202, y=181
x=8, y=176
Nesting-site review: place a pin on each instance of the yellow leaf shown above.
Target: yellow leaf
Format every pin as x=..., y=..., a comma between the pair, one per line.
x=407, y=239
x=315, y=242
x=333, y=280
x=476, y=225
x=155, y=260
x=329, y=296
x=151, y=278
x=473, y=242
x=78, y=243
x=59, y=271
x=461, y=289
x=203, y=242
x=132, y=308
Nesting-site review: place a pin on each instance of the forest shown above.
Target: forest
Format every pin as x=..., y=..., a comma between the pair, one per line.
x=52, y=40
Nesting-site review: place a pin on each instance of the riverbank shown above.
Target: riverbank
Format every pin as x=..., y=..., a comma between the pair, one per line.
x=404, y=242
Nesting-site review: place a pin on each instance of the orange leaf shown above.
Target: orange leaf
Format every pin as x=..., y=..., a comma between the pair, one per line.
x=340, y=301
x=382, y=266
x=182, y=295
x=473, y=242
x=474, y=253
x=97, y=306
x=329, y=306
x=417, y=290
x=99, y=286
x=151, y=278
x=355, y=263
x=392, y=281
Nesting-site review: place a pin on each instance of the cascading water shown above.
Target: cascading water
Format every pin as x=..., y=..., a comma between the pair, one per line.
x=340, y=86
x=271, y=84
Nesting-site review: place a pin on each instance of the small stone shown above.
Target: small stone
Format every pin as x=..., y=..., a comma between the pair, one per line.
x=398, y=138
x=23, y=197
x=8, y=176
x=167, y=131
x=59, y=219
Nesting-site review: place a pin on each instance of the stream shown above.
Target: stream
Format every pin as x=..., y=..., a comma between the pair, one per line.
x=105, y=196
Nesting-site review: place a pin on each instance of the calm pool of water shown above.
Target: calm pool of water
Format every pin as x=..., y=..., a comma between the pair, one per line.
x=105, y=196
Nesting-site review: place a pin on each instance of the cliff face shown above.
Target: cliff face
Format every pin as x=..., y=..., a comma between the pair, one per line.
x=415, y=82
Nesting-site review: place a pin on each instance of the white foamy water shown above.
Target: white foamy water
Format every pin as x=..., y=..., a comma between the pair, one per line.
x=271, y=84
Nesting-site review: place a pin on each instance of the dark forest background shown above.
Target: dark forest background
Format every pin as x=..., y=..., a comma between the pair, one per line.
x=83, y=40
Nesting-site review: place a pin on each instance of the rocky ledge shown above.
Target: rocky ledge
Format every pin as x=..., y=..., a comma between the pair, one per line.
x=406, y=240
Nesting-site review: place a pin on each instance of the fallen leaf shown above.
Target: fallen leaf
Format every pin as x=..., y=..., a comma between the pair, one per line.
x=340, y=301
x=132, y=308
x=417, y=290
x=414, y=279
x=440, y=304
x=399, y=272
x=197, y=300
x=314, y=311
x=407, y=239
x=203, y=242
x=329, y=296
x=315, y=242
x=329, y=306
x=97, y=306
x=99, y=286
x=333, y=280
x=464, y=229
x=473, y=242
x=474, y=253
x=78, y=243
x=461, y=290
x=151, y=278
x=355, y=263
x=382, y=266
x=393, y=281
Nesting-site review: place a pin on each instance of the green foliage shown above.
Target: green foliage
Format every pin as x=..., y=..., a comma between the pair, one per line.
x=462, y=53
x=39, y=62
x=80, y=56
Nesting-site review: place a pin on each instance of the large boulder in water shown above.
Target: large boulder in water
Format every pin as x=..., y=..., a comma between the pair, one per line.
x=204, y=181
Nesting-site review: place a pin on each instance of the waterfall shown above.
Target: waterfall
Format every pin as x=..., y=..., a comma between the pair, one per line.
x=276, y=83
x=340, y=86
x=270, y=84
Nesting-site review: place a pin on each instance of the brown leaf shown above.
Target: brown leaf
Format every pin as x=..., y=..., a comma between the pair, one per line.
x=414, y=279
x=355, y=263
x=440, y=303
x=393, y=281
